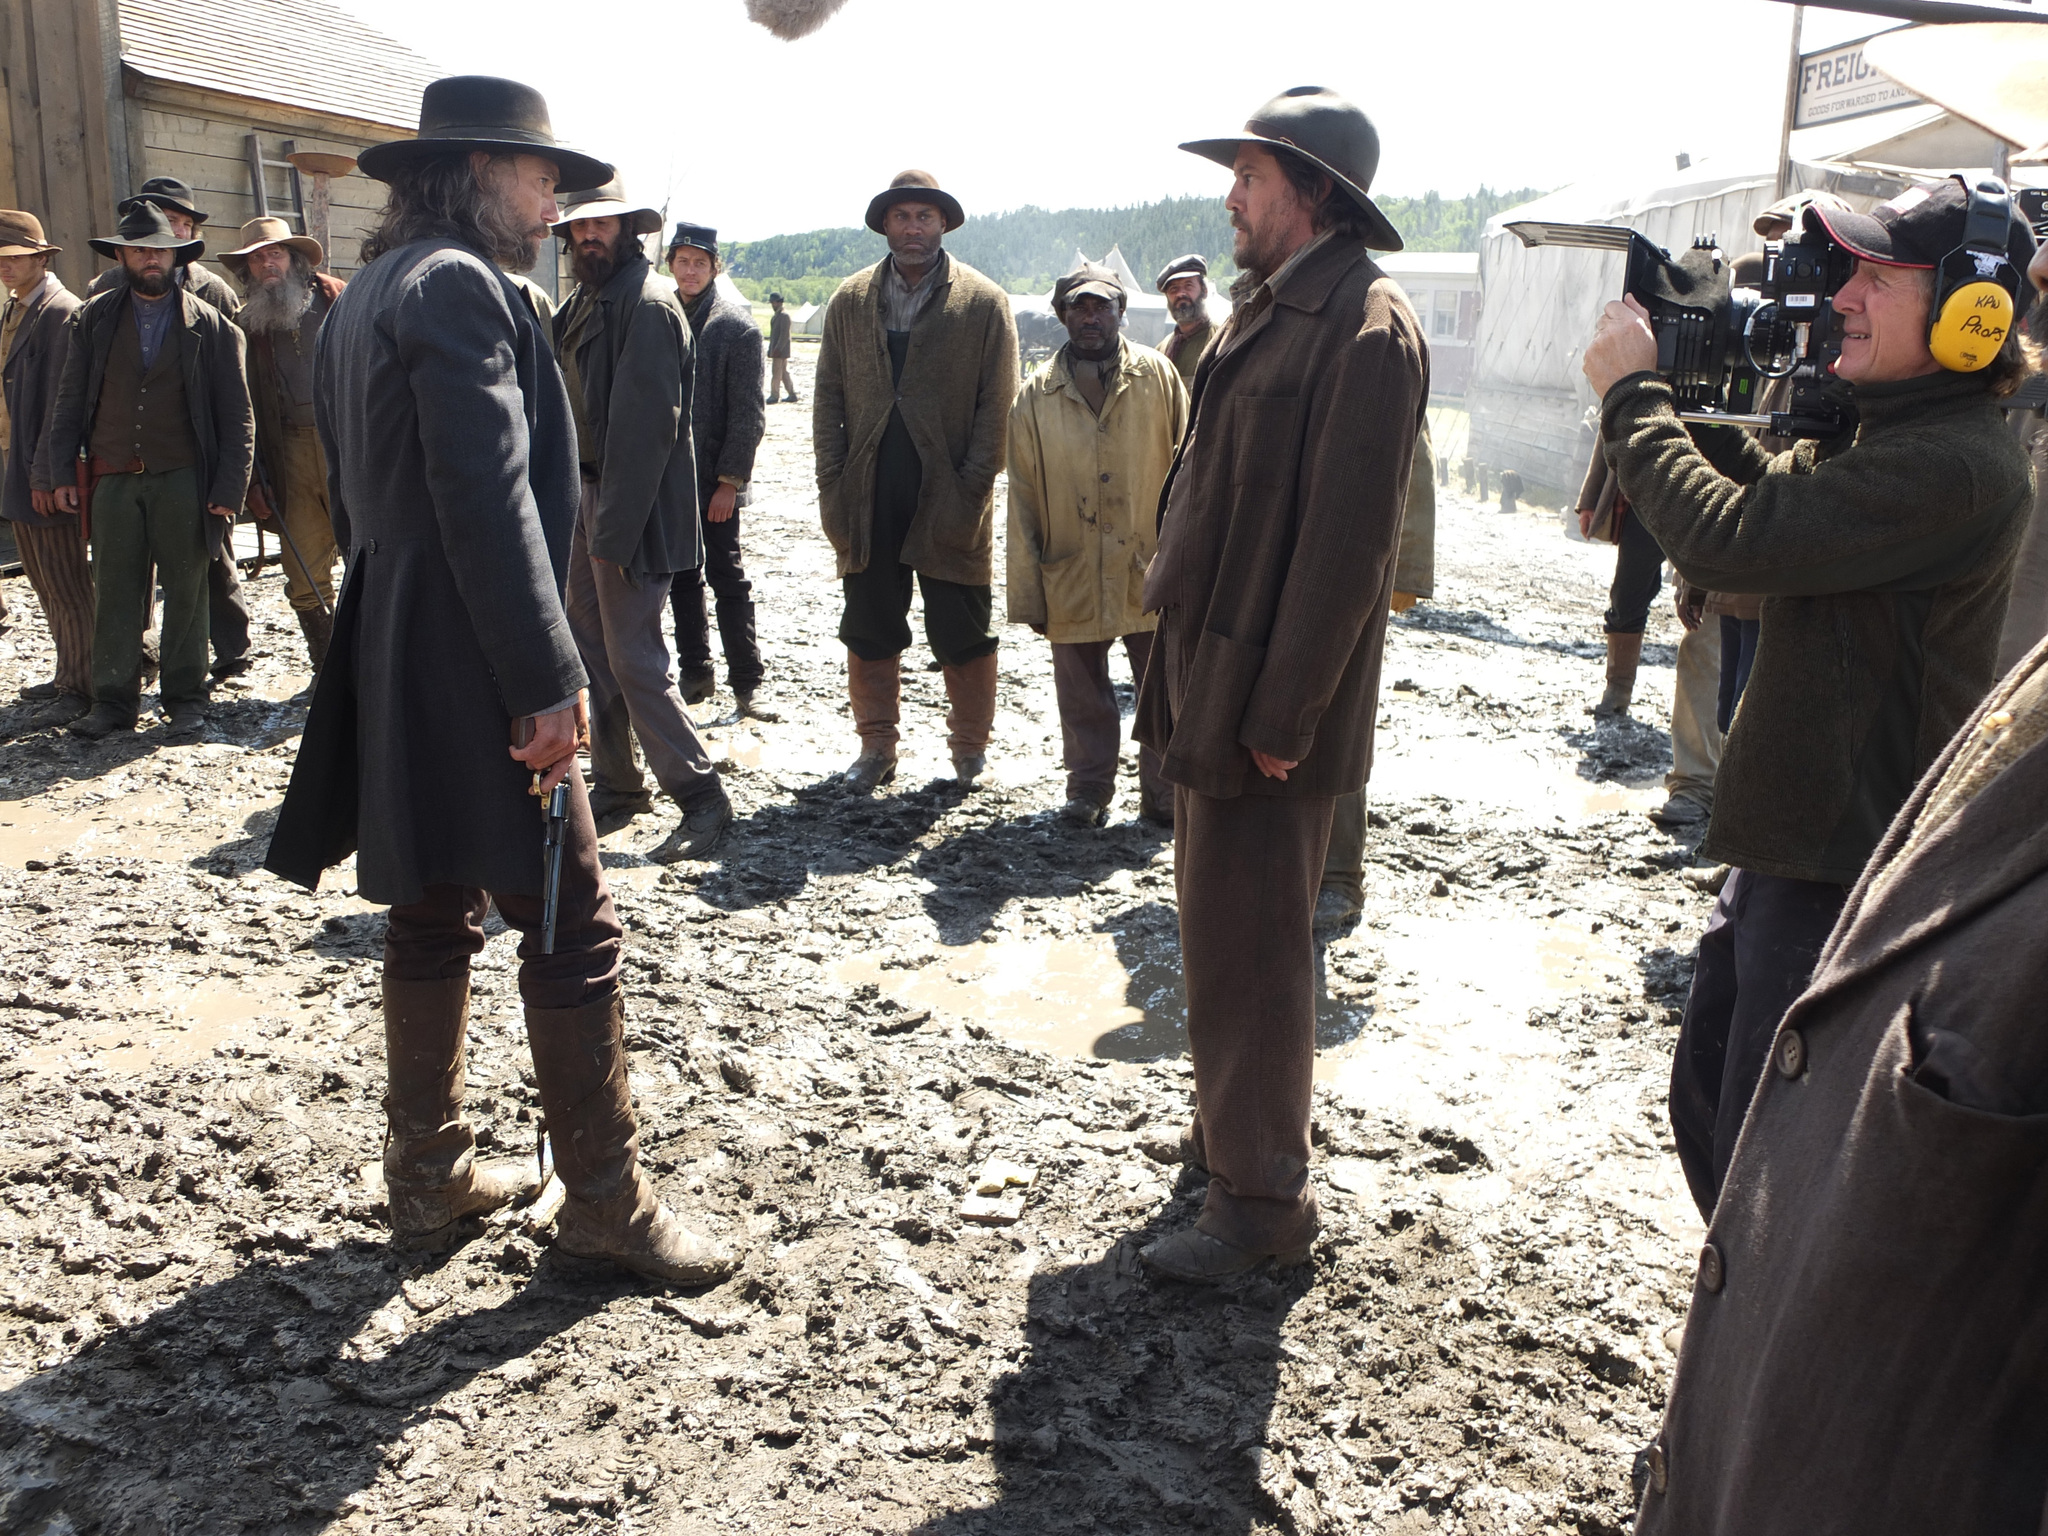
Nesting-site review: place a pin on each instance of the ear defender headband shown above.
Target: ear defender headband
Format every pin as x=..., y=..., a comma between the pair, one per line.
x=1976, y=286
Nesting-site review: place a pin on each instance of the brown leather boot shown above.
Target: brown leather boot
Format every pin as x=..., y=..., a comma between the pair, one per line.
x=1624, y=655
x=431, y=1173
x=971, y=691
x=318, y=628
x=874, y=689
x=579, y=1056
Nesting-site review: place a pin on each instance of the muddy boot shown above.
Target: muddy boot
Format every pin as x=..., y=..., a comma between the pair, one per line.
x=874, y=690
x=971, y=691
x=1194, y=1257
x=579, y=1057
x=431, y=1174
x=317, y=625
x=104, y=720
x=1624, y=654
x=696, y=684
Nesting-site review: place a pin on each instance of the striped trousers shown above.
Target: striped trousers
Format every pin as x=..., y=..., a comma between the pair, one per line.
x=55, y=561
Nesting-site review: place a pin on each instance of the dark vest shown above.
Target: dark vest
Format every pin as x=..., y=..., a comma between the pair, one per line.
x=144, y=416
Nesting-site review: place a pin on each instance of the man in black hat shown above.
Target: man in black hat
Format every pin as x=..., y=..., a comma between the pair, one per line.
x=778, y=351
x=628, y=358
x=176, y=200
x=1184, y=284
x=1272, y=584
x=727, y=422
x=909, y=441
x=1884, y=559
x=452, y=693
x=155, y=401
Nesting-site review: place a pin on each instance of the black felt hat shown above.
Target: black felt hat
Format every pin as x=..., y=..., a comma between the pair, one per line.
x=1330, y=133
x=144, y=225
x=915, y=187
x=466, y=113
x=165, y=192
x=698, y=236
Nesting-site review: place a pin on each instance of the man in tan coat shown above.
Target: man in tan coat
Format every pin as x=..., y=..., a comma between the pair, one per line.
x=1272, y=584
x=1091, y=437
x=915, y=376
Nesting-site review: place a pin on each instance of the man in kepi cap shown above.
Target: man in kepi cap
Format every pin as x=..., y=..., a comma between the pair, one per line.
x=909, y=440
x=778, y=351
x=727, y=422
x=627, y=356
x=1272, y=583
x=152, y=419
x=288, y=298
x=33, y=335
x=1091, y=437
x=453, y=690
x=1184, y=284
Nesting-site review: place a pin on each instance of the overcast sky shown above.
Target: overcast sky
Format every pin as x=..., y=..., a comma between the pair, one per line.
x=1065, y=105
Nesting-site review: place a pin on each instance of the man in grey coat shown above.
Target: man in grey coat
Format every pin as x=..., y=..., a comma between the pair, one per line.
x=626, y=352
x=451, y=696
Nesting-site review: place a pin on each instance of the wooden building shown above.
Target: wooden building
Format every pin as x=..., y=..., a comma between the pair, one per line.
x=104, y=94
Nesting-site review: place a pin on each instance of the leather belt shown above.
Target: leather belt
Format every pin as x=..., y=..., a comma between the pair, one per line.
x=100, y=467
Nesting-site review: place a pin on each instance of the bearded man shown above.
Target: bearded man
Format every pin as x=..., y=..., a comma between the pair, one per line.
x=453, y=690
x=628, y=358
x=1184, y=284
x=286, y=299
x=909, y=439
x=1275, y=569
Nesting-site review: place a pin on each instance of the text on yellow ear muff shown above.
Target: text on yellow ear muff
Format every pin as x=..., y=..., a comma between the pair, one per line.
x=1972, y=326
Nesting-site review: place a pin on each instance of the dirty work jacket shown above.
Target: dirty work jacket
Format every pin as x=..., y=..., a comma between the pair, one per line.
x=1299, y=446
x=266, y=389
x=32, y=369
x=214, y=360
x=1084, y=495
x=451, y=474
x=1884, y=565
x=1867, y=1346
x=638, y=365
x=958, y=381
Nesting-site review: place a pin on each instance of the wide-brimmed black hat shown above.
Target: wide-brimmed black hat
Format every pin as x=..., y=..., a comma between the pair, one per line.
x=608, y=202
x=465, y=113
x=1182, y=266
x=165, y=192
x=697, y=236
x=1327, y=131
x=144, y=224
x=915, y=187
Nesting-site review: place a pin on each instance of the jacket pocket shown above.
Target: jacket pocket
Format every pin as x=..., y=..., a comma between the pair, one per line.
x=1220, y=684
x=1069, y=585
x=1262, y=441
x=832, y=513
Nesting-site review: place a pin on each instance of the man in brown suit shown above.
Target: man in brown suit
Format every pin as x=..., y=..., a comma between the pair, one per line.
x=1275, y=569
x=1867, y=1346
x=778, y=351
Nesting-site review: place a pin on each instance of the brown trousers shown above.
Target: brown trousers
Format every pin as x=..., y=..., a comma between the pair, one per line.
x=55, y=560
x=778, y=379
x=435, y=937
x=310, y=524
x=1246, y=872
x=1091, y=724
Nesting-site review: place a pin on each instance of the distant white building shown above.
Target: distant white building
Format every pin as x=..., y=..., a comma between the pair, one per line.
x=1444, y=288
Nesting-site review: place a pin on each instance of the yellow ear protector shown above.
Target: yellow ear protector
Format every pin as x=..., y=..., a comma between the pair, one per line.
x=1976, y=287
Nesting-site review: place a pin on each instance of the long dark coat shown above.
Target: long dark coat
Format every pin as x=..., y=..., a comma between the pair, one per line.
x=729, y=413
x=1867, y=1347
x=1299, y=442
x=33, y=366
x=451, y=471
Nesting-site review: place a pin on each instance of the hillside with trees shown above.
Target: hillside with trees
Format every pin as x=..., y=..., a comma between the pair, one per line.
x=1026, y=248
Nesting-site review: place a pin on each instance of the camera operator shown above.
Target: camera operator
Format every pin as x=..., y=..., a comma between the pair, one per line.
x=1884, y=558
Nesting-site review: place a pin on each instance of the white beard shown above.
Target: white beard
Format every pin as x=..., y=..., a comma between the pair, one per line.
x=791, y=19
x=276, y=308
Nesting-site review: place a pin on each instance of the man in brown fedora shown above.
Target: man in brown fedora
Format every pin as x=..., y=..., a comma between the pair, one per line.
x=33, y=334
x=154, y=401
x=286, y=297
x=453, y=692
x=1275, y=570
x=909, y=437
x=628, y=357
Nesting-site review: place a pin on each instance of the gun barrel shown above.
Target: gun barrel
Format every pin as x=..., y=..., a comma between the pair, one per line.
x=557, y=828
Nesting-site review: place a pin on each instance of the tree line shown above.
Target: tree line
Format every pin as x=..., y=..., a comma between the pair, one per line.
x=1026, y=248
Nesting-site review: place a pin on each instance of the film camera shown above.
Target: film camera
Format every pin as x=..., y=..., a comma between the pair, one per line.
x=1727, y=329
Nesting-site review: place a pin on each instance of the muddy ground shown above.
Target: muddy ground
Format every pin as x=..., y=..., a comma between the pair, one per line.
x=835, y=1023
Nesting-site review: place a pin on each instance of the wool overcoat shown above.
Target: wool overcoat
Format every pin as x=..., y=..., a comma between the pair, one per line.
x=728, y=411
x=32, y=369
x=958, y=381
x=451, y=474
x=1866, y=1351
x=638, y=363
x=1302, y=429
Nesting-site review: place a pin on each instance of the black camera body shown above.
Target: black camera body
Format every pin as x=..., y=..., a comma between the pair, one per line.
x=1722, y=342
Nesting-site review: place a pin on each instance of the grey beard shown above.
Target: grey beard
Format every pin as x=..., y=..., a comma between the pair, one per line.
x=278, y=306
x=1184, y=310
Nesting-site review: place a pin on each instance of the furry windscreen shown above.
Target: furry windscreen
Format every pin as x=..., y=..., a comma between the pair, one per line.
x=791, y=19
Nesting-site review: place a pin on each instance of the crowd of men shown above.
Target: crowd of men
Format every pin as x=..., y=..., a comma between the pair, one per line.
x=1860, y=1090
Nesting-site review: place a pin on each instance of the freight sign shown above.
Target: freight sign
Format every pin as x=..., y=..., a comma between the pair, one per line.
x=1836, y=85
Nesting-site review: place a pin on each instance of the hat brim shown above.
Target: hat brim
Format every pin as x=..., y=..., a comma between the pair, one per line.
x=1864, y=237
x=112, y=248
x=574, y=171
x=1100, y=289
x=945, y=202
x=162, y=200
x=17, y=248
x=1379, y=234
x=645, y=221
x=237, y=262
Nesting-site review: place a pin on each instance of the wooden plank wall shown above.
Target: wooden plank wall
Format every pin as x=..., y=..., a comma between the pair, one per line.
x=54, y=57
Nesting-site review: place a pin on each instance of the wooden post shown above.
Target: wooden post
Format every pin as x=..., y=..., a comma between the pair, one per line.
x=1791, y=105
x=319, y=169
x=57, y=63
